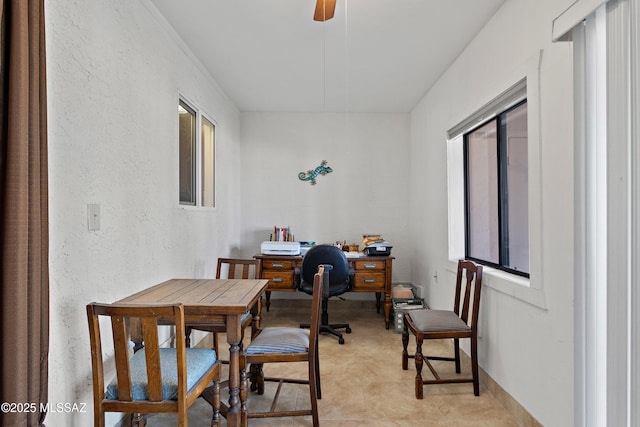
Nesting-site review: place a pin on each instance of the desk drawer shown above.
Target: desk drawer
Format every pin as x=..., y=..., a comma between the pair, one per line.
x=369, y=281
x=269, y=264
x=279, y=279
x=369, y=265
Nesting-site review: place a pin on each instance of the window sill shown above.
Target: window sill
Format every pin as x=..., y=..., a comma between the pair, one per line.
x=196, y=208
x=510, y=284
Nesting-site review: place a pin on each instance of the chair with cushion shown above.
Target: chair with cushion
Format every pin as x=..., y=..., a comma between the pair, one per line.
x=340, y=281
x=461, y=322
x=232, y=268
x=153, y=379
x=287, y=344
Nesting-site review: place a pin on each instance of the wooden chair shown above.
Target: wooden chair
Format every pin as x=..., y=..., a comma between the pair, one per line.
x=153, y=379
x=234, y=268
x=461, y=322
x=287, y=344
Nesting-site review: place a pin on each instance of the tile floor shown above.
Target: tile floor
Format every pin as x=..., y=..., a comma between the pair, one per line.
x=363, y=383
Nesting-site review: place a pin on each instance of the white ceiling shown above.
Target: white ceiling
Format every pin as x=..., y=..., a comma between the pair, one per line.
x=374, y=56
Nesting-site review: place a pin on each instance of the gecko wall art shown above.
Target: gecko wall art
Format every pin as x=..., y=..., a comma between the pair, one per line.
x=311, y=175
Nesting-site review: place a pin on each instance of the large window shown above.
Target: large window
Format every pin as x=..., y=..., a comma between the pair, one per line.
x=197, y=157
x=496, y=191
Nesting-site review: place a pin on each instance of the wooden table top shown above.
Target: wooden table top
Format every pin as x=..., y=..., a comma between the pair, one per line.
x=213, y=296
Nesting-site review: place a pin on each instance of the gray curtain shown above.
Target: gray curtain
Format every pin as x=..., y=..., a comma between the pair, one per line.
x=24, y=233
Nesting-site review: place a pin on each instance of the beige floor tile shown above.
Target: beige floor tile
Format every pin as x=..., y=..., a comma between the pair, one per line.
x=362, y=381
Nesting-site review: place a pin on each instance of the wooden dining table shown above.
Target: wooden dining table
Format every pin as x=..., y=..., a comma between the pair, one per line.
x=213, y=301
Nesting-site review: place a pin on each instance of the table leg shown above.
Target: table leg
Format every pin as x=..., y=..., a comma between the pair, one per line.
x=234, y=418
x=387, y=310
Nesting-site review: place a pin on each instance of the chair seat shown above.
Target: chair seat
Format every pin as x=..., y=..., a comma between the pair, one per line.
x=199, y=360
x=437, y=320
x=280, y=340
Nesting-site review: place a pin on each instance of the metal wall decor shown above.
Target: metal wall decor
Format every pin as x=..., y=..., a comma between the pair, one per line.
x=311, y=175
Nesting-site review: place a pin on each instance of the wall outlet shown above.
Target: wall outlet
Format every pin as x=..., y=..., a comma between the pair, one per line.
x=93, y=216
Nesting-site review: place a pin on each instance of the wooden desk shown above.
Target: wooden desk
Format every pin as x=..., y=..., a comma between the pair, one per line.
x=372, y=274
x=212, y=301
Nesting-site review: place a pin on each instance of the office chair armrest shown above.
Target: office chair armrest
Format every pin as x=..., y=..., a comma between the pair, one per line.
x=352, y=277
x=297, y=278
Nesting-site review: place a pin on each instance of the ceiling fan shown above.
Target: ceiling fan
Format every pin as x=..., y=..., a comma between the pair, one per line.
x=324, y=10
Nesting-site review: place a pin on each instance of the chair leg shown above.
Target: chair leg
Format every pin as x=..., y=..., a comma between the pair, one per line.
x=215, y=419
x=98, y=417
x=243, y=397
x=456, y=351
x=255, y=322
x=405, y=343
x=215, y=344
x=253, y=375
x=314, y=383
x=187, y=336
x=137, y=420
x=317, y=369
x=474, y=366
x=418, y=358
x=257, y=378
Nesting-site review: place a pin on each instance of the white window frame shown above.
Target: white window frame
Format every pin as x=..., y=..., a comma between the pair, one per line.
x=500, y=154
x=525, y=86
x=200, y=114
x=605, y=36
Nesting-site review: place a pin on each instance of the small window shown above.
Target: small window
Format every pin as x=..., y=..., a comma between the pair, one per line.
x=187, y=117
x=197, y=157
x=496, y=191
x=208, y=163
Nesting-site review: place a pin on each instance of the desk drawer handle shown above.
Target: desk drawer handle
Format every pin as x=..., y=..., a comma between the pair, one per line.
x=369, y=280
x=277, y=280
x=370, y=266
x=277, y=265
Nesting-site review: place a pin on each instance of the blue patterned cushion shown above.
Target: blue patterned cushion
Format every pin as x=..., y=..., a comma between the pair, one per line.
x=280, y=340
x=199, y=360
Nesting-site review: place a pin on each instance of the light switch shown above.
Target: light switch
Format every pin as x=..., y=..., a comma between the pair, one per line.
x=93, y=216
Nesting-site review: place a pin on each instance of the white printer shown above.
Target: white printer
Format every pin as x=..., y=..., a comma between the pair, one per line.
x=280, y=248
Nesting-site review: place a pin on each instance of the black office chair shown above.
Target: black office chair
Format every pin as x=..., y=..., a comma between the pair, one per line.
x=340, y=281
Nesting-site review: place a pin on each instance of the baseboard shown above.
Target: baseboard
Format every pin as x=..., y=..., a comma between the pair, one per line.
x=523, y=416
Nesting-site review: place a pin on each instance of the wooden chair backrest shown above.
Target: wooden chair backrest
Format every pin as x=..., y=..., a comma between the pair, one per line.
x=149, y=316
x=316, y=303
x=468, y=303
x=238, y=268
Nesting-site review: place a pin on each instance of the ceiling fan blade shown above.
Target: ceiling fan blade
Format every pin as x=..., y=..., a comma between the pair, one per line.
x=324, y=10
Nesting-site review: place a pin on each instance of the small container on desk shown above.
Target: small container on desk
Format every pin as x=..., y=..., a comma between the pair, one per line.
x=378, y=249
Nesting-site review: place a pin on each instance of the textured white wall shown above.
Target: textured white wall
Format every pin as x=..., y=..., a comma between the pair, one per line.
x=114, y=74
x=114, y=78
x=527, y=349
x=367, y=192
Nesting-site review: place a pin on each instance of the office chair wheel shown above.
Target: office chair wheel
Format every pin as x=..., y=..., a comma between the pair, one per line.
x=340, y=340
x=348, y=330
